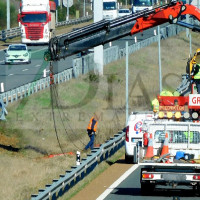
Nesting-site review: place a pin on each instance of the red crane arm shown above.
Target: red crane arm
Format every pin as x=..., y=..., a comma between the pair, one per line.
x=163, y=15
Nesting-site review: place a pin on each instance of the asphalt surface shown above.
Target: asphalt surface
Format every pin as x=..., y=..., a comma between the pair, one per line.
x=16, y=75
x=130, y=189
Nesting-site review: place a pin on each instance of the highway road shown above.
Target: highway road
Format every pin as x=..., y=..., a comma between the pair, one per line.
x=129, y=189
x=14, y=76
x=17, y=75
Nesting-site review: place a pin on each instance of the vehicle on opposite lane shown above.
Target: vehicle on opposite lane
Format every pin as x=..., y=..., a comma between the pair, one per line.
x=123, y=12
x=17, y=53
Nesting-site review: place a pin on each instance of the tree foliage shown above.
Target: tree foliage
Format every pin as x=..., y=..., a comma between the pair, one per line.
x=3, y=15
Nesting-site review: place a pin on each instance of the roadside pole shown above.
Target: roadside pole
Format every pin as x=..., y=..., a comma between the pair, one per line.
x=98, y=51
x=8, y=14
x=159, y=61
x=127, y=82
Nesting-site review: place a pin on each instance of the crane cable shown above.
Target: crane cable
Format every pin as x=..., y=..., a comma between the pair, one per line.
x=58, y=101
x=52, y=87
x=53, y=115
x=55, y=92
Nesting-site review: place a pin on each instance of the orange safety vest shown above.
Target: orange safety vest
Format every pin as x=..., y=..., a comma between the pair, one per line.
x=92, y=124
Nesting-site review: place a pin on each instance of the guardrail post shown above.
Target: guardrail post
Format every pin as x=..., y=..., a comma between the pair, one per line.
x=2, y=87
x=4, y=35
x=3, y=110
x=78, y=157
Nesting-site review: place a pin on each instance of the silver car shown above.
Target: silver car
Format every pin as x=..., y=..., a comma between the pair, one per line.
x=17, y=53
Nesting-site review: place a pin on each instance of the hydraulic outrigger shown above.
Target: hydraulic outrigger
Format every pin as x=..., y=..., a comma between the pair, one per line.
x=105, y=31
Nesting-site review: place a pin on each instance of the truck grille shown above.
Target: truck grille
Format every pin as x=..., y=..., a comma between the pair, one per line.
x=34, y=33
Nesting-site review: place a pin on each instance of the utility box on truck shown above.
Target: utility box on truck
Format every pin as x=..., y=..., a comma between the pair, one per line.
x=37, y=21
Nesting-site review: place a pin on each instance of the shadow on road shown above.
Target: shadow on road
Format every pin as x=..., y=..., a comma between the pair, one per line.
x=174, y=193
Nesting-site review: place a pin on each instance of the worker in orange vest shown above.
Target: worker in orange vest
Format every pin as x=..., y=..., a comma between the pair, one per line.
x=91, y=129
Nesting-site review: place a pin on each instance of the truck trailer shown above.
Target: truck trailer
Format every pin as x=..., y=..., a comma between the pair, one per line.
x=37, y=21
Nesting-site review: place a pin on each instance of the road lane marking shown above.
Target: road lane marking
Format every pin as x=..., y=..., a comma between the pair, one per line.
x=37, y=65
x=39, y=50
x=117, y=182
x=24, y=70
x=10, y=74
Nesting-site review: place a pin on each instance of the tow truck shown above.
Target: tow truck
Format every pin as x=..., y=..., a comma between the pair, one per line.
x=177, y=116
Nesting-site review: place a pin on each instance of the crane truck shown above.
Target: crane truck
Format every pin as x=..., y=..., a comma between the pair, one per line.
x=37, y=21
x=174, y=126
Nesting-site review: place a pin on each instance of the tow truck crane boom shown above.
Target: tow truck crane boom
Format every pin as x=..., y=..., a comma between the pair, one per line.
x=105, y=31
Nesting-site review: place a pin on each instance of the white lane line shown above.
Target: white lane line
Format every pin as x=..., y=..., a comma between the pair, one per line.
x=117, y=182
x=25, y=70
x=39, y=50
x=37, y=65
x=10, y=74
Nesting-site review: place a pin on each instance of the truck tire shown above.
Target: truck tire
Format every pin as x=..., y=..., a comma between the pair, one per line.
x=128, y=159
x=147, y=188
x=197, y=190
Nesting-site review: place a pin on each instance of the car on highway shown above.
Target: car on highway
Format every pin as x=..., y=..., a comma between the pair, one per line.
x=123, y=12
x=17, y=53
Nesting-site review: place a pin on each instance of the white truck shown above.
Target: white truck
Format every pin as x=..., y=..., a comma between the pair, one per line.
x=110, y=9
x=166, y=144
x=139, y=5
x=37, y=21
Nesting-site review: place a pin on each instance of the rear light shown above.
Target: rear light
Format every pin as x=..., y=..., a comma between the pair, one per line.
x=147, y=176
x=127, y=133
x=196, y=177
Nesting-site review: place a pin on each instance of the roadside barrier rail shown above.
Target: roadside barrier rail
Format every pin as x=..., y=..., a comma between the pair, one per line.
x=65, y=182
x=15, y=32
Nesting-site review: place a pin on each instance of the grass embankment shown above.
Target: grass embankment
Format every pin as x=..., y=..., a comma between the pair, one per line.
x=29, y=126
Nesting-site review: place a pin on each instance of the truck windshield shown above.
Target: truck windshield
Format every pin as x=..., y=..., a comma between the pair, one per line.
x=109, y=6
x=142, y=3
x=34, y=18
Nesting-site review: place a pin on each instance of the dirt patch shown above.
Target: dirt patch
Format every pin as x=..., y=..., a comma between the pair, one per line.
x=8, y=141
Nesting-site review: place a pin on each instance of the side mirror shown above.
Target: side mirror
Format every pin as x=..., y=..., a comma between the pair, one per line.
x=49, y=17
x=29, y=49
x=18, y=18
x=5, y=50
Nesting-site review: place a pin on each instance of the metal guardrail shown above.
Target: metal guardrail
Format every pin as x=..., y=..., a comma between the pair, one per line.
x=15, y=32
x=77, y=173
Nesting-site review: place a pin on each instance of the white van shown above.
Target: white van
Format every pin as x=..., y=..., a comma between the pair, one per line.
x=134, y=132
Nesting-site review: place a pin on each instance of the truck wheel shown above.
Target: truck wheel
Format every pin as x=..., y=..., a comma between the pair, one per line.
x=197, y=190
x=128, y=159
x=147, y=188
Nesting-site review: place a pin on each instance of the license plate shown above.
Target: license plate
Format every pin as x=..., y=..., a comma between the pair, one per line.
x=135, y=140
x=174, y=177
